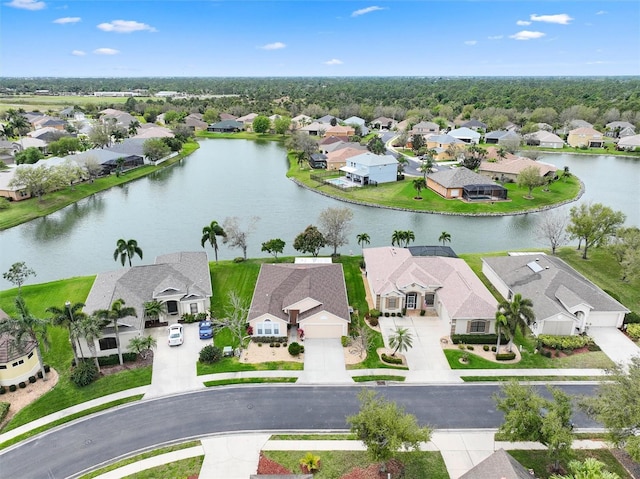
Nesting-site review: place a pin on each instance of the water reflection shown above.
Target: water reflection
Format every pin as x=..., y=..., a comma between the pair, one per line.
x=59, y=224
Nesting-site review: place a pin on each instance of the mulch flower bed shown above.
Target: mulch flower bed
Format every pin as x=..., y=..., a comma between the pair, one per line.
x=267, y=466
x=394, y=467
x=139, y=363
x=560, y=354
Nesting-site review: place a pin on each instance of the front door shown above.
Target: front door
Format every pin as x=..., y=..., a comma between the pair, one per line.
x=411, y=300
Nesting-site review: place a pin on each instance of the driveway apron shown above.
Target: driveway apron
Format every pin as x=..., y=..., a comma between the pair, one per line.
x=324, y=363
x=425, y=358
x=615, y=344
x=174, y=367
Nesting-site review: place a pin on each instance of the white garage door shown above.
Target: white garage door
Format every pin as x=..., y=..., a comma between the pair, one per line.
x=558, y=328
x=323, y=331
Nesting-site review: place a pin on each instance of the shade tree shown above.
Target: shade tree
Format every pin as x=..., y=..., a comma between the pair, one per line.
x=593, y=224
x=17, y=274
x=273, y=247
x=311, y=240
x=335, y=224
x=236, y=234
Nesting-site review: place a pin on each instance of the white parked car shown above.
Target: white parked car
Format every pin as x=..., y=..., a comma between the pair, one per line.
x=176, y=336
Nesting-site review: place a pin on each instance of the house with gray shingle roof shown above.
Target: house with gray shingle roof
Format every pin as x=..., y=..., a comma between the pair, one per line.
x=18, y=361
x=544, y=138
x=289, y=297
x=399, y=281
x=499, y=465
x=474, y=124
x=180, y=281
x=465, y=184
x=564, y=302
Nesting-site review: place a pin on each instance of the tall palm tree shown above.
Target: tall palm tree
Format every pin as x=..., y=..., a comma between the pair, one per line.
x=397, y=238
x=401, y=339
x=118, y=311
x=89, y=328
x=363, y=239
x=419, y=184
x=408, y=237
x=445, y=238
x=210, y=234
x=18, y=124
x=501, y=323
x=519, y=314
x=26, y=328
x=133, y=127
x=126, y=250
x=66, y=316
x=427, y=163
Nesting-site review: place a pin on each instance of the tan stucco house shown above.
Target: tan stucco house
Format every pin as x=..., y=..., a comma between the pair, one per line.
x=564, y=302
x=291, y=297
x=585, y=136
x=180, y=281
x=400, y=282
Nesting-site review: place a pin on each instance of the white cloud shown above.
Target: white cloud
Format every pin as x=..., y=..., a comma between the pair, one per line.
x=602, y=12
x=106, y=51
x=471, y=42
x=333, y=61
x=125, y=26
x=78, y=53
x=364, y=11
x=273, y=46
x=26, y=4
x=561, y=18
x=527, y=35
x=523, y=23
x=65, y=20
x=496, y=37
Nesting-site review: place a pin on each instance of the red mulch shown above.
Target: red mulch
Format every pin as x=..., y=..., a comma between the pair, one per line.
x=267, y=466
x=562, y=355
x=394, y=467
x=139, y=363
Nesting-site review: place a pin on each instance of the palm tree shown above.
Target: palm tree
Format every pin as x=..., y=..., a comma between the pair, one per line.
x=153, y=309
x=26, y=328
x=501, y=323
x=419, y=184
x=66, y=316
x=117, y=312
x=142, y=345
x=363, y=239
x=210, y=233
x=133, y=127
x=397, y=238
x=401, y=339
x=445, y=238
x=519, y=314
x=126, y=250
x=427, y=163
x=408, y=237
x=89, y=328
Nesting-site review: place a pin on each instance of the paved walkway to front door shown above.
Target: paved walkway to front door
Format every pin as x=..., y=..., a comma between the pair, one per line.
x=324, y=363
x=615, y=344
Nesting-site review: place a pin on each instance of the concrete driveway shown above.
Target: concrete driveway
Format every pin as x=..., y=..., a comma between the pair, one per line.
x=174, y=367
x=425, y=359
x=324, y=363
x=615, y=344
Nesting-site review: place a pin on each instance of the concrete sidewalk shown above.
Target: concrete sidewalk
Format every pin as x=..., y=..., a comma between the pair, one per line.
x=236, y=456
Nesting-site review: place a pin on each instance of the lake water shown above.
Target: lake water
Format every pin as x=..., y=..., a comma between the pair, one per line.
x=165, y=212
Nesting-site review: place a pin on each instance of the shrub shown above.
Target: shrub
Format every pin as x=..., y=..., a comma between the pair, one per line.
x=238, y=259
x=633, y=330
x=22, y=385
x=272, y=345
x=374, y=313
x=4, y=410
x=201, y=316
x=278, y=345
x=40, y=376
x=400, y=314
x=259, y=345
x=188, y=318
x=393, y=315
x=469, y=347
x=32, y=379
x=113, y=359
x=461, y=346
x=632, y=318
x=546, y=353
x=505, y=356
x=250, y=330
x=386, y=314
x=345, y=340
x=486, y=347
x=310, y=462
x=84, y=373
x=363, y=265
x=12, y=388
x=3, y=390
x=373, y=321
x=390, y=359
x=294, y=349
x=4, y=203
x=494, y=349
x=422, y=312
x=210, y=354
x=301, y=348
x=478, y=338
x=47, y=368
x=564, y=342
x=593, y=347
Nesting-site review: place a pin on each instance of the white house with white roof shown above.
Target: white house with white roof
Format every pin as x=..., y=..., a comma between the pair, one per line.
x=368, y=168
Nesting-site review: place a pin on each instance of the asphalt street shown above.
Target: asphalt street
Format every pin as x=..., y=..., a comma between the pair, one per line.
x=69, y=450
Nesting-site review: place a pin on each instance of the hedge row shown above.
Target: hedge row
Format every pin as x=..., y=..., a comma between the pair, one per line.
x=112, y=359
x=390, y=359
x=564, y=342
x=478, y=339
x=633, y=330
x=4, y=410
x=505, y=356
x=269, y=339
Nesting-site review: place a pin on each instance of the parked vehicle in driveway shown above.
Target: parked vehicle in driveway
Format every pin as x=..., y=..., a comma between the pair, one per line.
x=176, y=335
x=206, y=330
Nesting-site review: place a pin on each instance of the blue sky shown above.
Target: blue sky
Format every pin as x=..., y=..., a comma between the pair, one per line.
x=318, y=38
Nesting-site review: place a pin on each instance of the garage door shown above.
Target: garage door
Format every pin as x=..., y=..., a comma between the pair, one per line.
x=558, y=328
x=322, y=331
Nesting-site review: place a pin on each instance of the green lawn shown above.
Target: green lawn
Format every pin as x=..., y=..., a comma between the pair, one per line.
x=334, y=464
x=182, y=469
x=23, y=211
x=400, y=194
x=363, y=379
x=538, y=461
x=226, y=382
x=228, y=365
x=597, y=360
x=241, y=135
